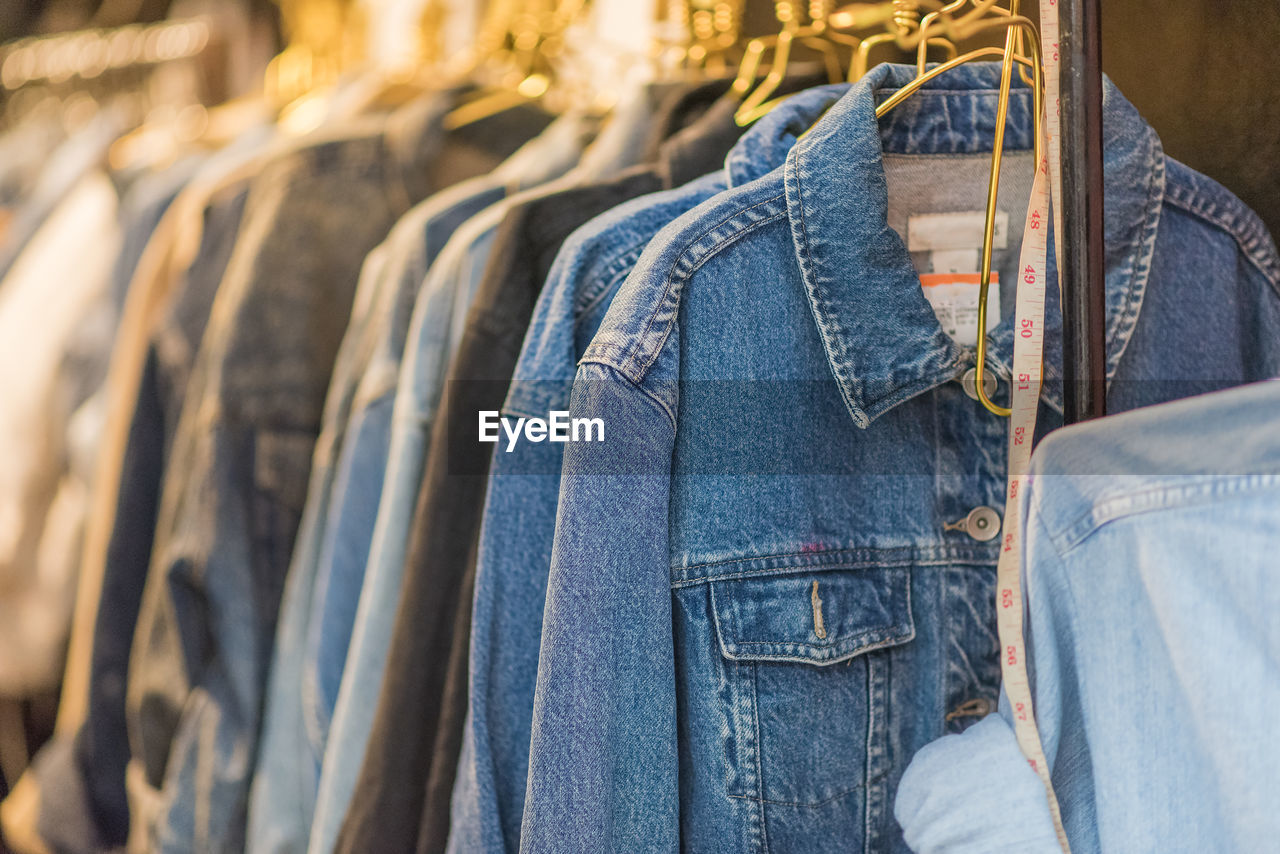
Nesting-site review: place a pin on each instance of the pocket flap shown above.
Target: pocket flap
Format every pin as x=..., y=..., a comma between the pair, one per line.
x=813, y=617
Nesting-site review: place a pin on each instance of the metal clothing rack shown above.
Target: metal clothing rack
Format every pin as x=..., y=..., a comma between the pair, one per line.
x=1083, y=271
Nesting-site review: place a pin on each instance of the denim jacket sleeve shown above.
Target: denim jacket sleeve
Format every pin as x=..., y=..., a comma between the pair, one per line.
x=603, y=758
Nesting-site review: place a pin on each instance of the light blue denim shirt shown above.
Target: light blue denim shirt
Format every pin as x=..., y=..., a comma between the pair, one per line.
x=1150, y=580
x=345, y=485
x=763, y=596
x=519, y=516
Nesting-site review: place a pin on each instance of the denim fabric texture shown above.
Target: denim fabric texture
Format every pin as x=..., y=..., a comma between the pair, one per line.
x=388, y=806
x=364, y=462
x=413, y=344
x=234, y=491
x=418, y=734
x=1149, y=576
x=519, y=514
x=238, y=478
x=436, y=318
x=760, y=603
x=333, y=540
x=283, y=782
x=442, y=552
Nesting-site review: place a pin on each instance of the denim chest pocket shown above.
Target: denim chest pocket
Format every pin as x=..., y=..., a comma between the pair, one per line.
x=803, y=659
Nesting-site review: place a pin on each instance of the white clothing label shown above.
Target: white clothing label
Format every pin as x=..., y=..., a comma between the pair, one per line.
x=954, y=297
x=954, y=260
x=959, y=230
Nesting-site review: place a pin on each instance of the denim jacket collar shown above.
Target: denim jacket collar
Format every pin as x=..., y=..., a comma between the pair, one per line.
x=767, y=144
x=883, y=341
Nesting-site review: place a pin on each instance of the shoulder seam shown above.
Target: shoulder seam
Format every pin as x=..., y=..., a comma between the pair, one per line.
x=683, y=266
x=617, y=267
x=1158, y=497
x=653, y=398
x=1236, y=219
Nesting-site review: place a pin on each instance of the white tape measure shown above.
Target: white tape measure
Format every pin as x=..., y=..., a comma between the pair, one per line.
x=1028, y=350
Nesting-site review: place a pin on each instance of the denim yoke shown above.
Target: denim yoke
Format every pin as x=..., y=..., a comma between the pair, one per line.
x=760, y=604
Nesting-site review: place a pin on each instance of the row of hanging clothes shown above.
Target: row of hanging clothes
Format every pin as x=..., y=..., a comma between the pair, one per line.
x=552, y=425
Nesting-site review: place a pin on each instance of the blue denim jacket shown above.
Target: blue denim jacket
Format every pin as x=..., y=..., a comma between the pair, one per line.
x=764, y=597
x=346, y=480
x=519, y=516
x=79, y=772
x=438, y=321
x=283, y=784
x=234, y=494
x=1150, y=578
x=352, y=612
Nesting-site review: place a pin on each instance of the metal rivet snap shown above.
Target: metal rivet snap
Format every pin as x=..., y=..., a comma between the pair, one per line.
x=970, y=383
x=982, y=523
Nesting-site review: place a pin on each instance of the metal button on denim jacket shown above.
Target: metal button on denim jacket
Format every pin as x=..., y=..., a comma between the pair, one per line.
x=762, y=598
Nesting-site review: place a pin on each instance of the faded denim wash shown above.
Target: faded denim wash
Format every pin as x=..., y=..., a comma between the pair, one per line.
x=439, y=316
x=519, y=515
x=411, y=766
x=281, y=787
x=1150, y=579
x=400, y=390
x=346, y=482
x=761, y=603
x=231, y=503
x=234, y=494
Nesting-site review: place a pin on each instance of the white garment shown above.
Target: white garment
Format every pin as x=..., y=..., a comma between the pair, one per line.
x=52, y=298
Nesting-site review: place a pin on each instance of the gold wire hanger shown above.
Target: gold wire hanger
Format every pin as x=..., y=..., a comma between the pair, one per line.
x=818, y=35
x=325, y=38
x=715, y=33
x=983, y=16
x=522, y=56
x=493, y=50
x=905, y=21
